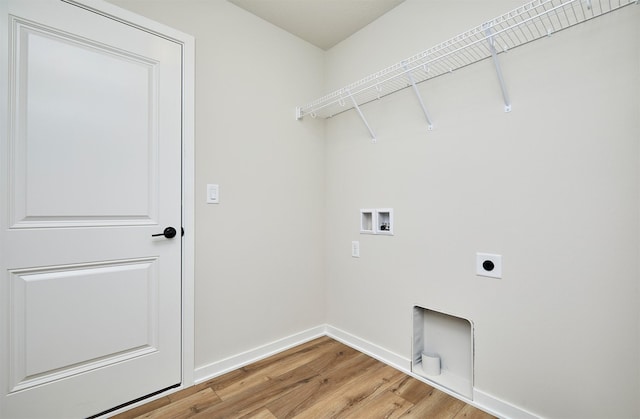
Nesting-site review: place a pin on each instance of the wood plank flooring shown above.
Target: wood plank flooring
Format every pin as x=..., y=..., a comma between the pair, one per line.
x=319, y=379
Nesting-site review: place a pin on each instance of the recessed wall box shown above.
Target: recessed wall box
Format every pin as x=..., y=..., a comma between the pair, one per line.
x=444, y=341
x=367, y=221
x=384, y=218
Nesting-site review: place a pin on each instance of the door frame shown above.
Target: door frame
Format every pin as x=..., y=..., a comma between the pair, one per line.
x=187, y=43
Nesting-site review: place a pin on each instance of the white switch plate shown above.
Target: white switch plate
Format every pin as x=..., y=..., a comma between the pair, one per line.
x=355, y=249
x=213, y=194
x=488, y=264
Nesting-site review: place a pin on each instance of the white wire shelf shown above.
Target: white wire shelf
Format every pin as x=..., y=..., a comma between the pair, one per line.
x=529, y=22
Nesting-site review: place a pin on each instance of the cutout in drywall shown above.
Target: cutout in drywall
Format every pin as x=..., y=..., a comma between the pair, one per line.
x=449, y=339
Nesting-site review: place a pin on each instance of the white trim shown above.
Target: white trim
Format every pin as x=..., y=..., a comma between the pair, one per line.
x=187, y=43
x=218, y=368
x=188, y=209
x=392, y=359
x=132, y=19
x=481, y=400
x=4, y=163
x=499, y=407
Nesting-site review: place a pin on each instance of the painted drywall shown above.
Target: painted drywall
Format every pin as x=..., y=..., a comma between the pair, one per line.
x=259, y=262
x=552, y=186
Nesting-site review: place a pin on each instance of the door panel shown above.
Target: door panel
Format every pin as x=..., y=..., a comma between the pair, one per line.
x=45, y=307
x=93, y=301
x=54, y=72
x=51, y=71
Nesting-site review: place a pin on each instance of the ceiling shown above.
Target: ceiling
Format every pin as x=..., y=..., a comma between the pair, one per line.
x=323, y=23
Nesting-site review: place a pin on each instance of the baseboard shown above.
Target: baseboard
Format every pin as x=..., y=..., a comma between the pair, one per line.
x=480, y=400
x=381, y=354
x=499, y=407
x=218, y=368
x=390, y=358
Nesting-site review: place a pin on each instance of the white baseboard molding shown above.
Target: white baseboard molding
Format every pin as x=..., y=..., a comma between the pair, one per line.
x=480, y=400
x=499, y=407
x=218, y=368
x=390, y=358
x=396, y=361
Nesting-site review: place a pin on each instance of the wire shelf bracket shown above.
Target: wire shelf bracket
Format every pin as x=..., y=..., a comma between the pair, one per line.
x=366, y=124
x=415, y=89
x=533, y=20
x=496, y=63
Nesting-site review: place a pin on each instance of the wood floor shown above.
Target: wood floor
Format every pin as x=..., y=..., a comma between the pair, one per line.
x=319, y=379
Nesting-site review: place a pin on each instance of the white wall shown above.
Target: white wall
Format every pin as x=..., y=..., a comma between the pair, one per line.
x=553, y=186
x=259, y=253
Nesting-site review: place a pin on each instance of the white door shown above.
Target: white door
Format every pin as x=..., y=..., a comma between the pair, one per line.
x=90, y=170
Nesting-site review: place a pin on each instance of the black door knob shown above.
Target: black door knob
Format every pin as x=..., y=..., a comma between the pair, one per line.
x=168, y=232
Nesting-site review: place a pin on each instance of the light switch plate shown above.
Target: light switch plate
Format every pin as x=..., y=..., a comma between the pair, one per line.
x=355, y=249
x=213, y=194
